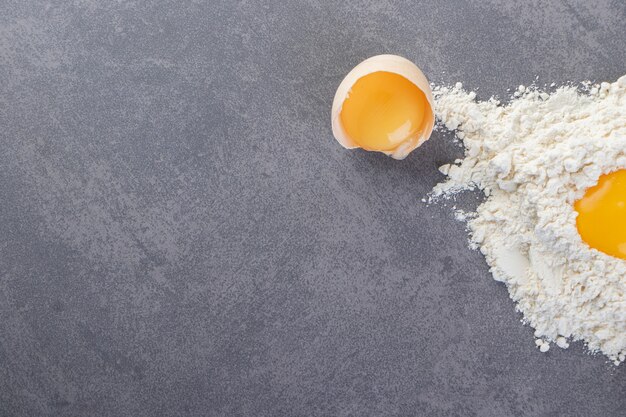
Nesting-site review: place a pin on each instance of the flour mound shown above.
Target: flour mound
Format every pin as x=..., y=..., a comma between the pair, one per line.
x=533, y=158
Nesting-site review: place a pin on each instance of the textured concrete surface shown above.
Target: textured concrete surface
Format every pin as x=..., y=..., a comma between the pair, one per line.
x=180, y=235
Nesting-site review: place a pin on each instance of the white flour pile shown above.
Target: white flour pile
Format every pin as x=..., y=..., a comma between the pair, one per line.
x=533, y=159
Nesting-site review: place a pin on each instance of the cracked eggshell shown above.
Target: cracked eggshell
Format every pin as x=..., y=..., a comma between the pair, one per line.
x=389, y=63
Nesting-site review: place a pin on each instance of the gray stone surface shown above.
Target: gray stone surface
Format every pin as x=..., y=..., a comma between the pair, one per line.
x=180, y=235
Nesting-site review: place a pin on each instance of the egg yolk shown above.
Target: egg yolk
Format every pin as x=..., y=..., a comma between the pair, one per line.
x=601, y=218
x=382, y=110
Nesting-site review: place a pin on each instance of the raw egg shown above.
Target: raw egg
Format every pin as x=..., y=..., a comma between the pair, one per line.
x=601, y=217
x=384, y=104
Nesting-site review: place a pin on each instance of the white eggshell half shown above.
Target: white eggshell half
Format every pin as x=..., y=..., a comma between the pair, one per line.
x=389, y=63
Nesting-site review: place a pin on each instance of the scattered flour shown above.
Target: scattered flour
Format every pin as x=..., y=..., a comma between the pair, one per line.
x=533, y=158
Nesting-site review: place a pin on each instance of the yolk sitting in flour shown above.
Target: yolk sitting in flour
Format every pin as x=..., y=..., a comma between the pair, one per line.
x=601, y=218
x=382, y=110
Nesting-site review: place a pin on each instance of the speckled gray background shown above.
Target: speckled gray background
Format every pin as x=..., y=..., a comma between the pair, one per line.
x=180, y=235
